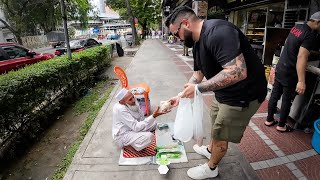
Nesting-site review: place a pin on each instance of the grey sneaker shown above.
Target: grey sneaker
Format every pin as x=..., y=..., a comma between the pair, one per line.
x=202, y=150
x=202, y=172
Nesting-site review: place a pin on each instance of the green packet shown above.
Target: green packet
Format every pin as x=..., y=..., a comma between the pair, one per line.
x=169, y=155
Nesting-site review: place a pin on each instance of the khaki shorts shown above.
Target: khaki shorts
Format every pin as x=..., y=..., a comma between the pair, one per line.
x=230, y=122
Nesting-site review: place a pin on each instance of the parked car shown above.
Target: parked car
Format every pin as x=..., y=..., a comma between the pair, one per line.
x=77, y=46
x=55, y=38
x=14, y=56
x=113, y=36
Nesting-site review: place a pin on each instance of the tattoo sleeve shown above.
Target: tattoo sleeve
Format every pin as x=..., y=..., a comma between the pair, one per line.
x=233, y=72
x=196, y=78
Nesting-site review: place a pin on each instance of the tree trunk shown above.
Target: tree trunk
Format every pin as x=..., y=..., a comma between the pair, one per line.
x=131, y=17
x=144, y=30
x=18, y=37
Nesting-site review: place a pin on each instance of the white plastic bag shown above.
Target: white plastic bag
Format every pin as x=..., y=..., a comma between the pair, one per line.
x=183, y=126
x=197, y=108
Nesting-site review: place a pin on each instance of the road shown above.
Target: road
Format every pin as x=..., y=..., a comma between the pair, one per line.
x=51, y=50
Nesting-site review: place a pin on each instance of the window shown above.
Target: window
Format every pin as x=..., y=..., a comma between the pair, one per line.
x=15, y=51
x=92, y=42
x=2, y=58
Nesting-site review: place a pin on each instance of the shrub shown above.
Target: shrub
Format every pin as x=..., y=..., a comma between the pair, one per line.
x=30, y=96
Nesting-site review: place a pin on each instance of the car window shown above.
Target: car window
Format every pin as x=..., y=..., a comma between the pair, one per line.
x=74, y=43
x=2, y=58
x=15, y=51
x=92, y=42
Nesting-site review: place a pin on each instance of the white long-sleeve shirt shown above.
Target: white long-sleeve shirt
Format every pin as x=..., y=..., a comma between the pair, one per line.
x=126, y=120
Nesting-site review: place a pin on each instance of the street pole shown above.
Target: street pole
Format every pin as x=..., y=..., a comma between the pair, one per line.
x=66, y=35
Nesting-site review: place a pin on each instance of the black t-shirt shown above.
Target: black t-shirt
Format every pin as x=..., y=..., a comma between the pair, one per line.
x=300, y=35
x=220, y=42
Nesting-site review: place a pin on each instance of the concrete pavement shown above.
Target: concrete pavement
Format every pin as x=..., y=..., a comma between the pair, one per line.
x=97, y=157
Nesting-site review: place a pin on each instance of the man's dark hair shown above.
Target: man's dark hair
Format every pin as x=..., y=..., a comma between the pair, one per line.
x=178, y=13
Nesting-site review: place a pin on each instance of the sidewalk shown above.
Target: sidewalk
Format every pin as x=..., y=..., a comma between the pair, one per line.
x=158, y=66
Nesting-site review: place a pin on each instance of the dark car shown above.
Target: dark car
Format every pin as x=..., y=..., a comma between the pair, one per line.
x=14, y=56
x=77, y=46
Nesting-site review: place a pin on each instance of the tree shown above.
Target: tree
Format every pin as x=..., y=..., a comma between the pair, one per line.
x=23, y=15
x=16, y=13
x=147, y=11
x=131, y=17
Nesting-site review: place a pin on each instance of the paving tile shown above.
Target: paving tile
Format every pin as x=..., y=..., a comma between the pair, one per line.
x=303, y=178
x=303, y=155
x=274, y=147
x=311, y=152
x=298, y=156
x=275, y=173
x=271, y=162
x=289, y=143
x=185, y=68
x=263, y=164
x=263, y=108
x=291, y=166
x=292, y=158
x=254, y=148
x=255, y=128
x=255, y=165
x=268, y=142
x=278, y=161
x=309, y=167
x=188, y=74
x=279, y=153
x=285, y=159
x=264, y=137
x=259, y=132
x=297, y=173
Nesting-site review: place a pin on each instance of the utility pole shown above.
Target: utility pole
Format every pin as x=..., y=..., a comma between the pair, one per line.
x=66, y=34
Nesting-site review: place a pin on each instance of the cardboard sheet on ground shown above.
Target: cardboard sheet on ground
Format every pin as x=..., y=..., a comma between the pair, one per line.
x=163, y=139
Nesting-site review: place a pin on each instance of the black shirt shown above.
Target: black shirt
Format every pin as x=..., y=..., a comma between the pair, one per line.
x=220, y=42
x=300, y=35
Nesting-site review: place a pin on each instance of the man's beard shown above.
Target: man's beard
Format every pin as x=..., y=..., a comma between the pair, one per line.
x=134, y=108
x=188, y=41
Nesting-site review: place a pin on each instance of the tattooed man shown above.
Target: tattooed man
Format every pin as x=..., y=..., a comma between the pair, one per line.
x=223, y=55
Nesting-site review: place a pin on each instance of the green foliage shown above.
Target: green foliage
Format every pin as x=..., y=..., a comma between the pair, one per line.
x=96, y=104
x=72, y=32
x=147, y=11
x=24, y=16
x=34, y=93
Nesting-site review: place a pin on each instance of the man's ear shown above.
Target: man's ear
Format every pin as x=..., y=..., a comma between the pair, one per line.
x=121, y=101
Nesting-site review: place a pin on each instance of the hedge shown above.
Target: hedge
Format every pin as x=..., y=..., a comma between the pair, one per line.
x=32, y=95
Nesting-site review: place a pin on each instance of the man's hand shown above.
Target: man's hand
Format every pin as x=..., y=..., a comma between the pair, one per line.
x=188, y=91
x=301, y=87
x=157, y=112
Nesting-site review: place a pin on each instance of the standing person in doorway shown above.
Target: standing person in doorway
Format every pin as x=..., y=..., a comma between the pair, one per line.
x=234, y=73
x=290, y=70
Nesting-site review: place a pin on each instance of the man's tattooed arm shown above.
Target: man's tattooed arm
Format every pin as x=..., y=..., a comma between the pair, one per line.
x=233, y=72
x=196, y=78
